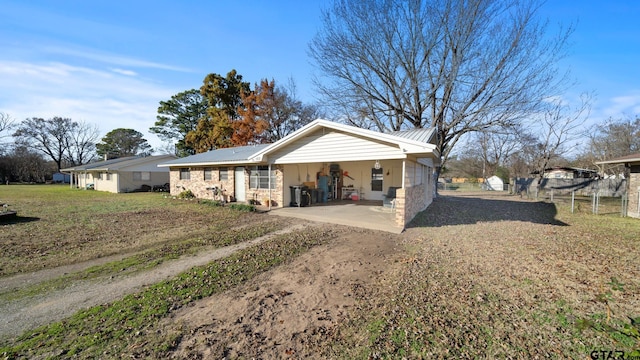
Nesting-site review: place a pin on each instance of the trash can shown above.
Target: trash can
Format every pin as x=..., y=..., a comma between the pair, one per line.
x=300, y=196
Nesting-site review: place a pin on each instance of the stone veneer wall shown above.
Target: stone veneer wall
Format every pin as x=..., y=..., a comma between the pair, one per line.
x=198, y=185
x=262, y=195
x=634, y=185
x=420, y=197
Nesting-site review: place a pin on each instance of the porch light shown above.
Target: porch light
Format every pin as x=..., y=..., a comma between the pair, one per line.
x=377, y=165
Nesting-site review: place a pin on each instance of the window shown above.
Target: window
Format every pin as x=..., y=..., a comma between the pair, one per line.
x=185, y=174
x=260, y=178
x=376, y=179
x=207, y=174
x=141, y=176
x=224, y=174
x=108, y=176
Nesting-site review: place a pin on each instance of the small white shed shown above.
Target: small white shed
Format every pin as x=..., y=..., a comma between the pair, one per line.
x=495, y=183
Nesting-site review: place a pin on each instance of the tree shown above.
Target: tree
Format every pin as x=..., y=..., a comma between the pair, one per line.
x=178, y=116
x=270, y=113
x=558, y=129
x=457, y=66
x=52, y=137
x=123, y=142
x=81, y=144
x=614, y=138
x=223, y=95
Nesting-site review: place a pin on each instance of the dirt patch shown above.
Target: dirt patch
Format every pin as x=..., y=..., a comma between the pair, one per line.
x=28, y=313
x=278, y=314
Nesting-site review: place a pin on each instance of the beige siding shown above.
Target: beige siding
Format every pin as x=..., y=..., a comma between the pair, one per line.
x=333, y=146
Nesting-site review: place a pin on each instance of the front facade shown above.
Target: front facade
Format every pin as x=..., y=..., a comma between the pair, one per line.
x=121, y=175
x=334, y=161
x=632, y=167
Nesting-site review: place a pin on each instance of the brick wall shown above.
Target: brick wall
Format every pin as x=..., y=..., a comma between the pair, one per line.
x=262, y=195
x=198, y=185
x=634, y=184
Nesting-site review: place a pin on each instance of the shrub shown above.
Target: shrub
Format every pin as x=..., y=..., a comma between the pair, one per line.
x=186, y=194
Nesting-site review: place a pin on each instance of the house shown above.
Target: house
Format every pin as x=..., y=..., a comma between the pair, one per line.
x=632, y=167
x=323, y=161
x=560, y=172
x=120, y=175
x=494, y=183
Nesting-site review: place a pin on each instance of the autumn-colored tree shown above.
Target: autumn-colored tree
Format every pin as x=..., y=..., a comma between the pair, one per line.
x=255, y=116
x=224, y=95
x=270, y=113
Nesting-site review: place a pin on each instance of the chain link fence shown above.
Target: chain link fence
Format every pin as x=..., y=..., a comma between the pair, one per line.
x=596, y=196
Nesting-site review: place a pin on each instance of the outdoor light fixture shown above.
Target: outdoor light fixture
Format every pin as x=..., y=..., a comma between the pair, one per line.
x=377, y=165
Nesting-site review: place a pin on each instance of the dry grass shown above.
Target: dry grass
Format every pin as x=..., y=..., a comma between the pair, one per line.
x=497, y=278
x=60, y=226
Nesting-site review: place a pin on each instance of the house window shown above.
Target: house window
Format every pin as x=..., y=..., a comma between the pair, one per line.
x=185, y=174
x=376, y=179
x=141, y=176
x=208, y=174
x=260, y=178
x=108, y=175
x=224, y=174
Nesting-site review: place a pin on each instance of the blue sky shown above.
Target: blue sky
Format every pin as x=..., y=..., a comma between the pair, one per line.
x=110, y=62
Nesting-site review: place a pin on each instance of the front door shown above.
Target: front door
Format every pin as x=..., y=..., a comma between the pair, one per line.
x=376, y=184
x=239, y=184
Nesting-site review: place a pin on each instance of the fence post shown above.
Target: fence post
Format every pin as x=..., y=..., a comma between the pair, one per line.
x=593, y=203
x=573, y=200
x=625, y=203
x=551, y=195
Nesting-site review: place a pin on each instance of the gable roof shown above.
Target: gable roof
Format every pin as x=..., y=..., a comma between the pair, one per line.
x=633, y=158
x=416, y=141
x=405, y=142
x=119, y=163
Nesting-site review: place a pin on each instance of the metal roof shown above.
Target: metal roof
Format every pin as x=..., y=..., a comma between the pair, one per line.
x=421, y=135
x=118, y=163
x=219, y=156
x=624, y=159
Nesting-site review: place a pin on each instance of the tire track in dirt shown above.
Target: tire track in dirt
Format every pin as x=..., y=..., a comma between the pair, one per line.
x=29, y=313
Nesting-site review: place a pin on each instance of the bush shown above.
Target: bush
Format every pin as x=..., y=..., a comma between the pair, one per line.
x=186, y=194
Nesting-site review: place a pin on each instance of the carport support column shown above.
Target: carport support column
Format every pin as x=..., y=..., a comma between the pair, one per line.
x=269, y=186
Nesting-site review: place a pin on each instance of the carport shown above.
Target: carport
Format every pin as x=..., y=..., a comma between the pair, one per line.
x=363, y=214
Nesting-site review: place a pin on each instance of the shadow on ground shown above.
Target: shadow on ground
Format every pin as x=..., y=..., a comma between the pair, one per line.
x=17, y=220
x=470, y=209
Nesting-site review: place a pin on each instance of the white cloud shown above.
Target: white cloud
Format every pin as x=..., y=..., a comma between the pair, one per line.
x=108, y=98
x=125, y=72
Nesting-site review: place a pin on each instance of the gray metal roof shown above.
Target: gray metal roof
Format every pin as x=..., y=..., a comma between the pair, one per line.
x=219, y=156
x=421, y=135
x=99, y=164
x=115, y=164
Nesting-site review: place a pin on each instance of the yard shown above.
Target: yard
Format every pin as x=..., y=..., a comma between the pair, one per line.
x=476, y=275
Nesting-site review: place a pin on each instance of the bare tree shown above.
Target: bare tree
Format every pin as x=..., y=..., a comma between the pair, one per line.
x=613, y=138
x=558, y=129
x=59, y=139
x=81, y=143
x=6, y=124
x=458, y=66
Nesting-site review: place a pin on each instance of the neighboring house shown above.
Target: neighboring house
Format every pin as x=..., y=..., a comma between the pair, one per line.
x=494, y=183
x=632, y=166
x=119, y=175
x=569, y=173
x=340, y=161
